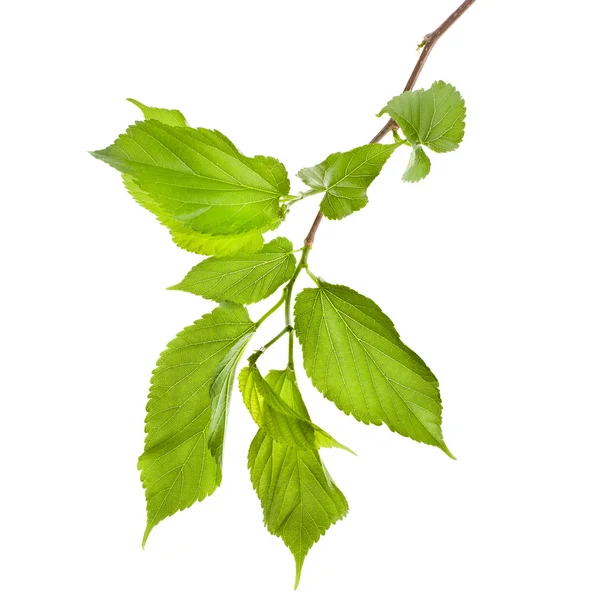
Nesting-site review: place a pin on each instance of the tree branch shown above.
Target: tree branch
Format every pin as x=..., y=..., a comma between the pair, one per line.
x=427, y=45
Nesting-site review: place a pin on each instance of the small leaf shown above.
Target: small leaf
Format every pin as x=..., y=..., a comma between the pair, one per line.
x=434, y=117
x=244, y=278
x=164, y=115
x=300, y=501
x=199, y=178
x=192, y=241
x=419, y=165
x=345, y=177
x=281, y=421
x=354, y=357
x=177, y=468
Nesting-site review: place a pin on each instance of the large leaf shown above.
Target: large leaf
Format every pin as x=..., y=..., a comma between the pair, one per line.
x=244, y=278
x=199, y=178
x=345, y=177
x=354, y=356
x=177, y=468
x=300, y=501
x=183, y=236
x=434, y=117
x=193, y=241
x=283, y=422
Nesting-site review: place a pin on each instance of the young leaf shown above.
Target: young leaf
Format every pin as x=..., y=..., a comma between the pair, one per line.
x=434, y=117
x=281, y=421
x=199, y=178
x=345, y=177
x=176, y=467
x=354, y=356
x=300, y=501
x=164, y=115
x=190, y=240
x=244, y=278
x=419, y=165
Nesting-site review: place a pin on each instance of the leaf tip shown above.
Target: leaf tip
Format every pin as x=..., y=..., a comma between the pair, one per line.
x=447, y=451
x=299, y=562
x=136, y=103
x=146, y=534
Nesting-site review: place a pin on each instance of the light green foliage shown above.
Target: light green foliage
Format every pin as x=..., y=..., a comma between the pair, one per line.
x=345, y=177
x=244, y=278
x=217, y=202
x=164, y=115
x=177, y=468
x=419, y=165
x=300, y=501
x=354, y=356
x=199, y=178
x=282, y=422
x=185, y=237
x=434, y=118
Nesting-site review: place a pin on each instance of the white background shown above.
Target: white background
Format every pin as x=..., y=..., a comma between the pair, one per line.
x=489, y=269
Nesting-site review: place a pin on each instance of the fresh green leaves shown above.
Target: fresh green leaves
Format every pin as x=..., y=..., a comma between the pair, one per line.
x=434, y=118
x=345, y=177
x=354, y=356
x=217, y=202
x=214, y=199
x=177, y=468
x=198, y=177
x=300, y=501
x=287, y=424
x=245, y=278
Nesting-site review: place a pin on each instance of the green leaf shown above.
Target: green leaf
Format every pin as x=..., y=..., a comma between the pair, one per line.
x=345, y=177
x=419, y=165
x=244, y=278
x=164, y=115
x=434, y=117
x=199, y=178
x=183, y=236
x=282, y=422
x=300, y=501
x=354, y=357
x=221, y=388
x=176, y=467
x=192, y=241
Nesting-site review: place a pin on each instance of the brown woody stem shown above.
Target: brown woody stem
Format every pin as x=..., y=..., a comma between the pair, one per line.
x=427, y=45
